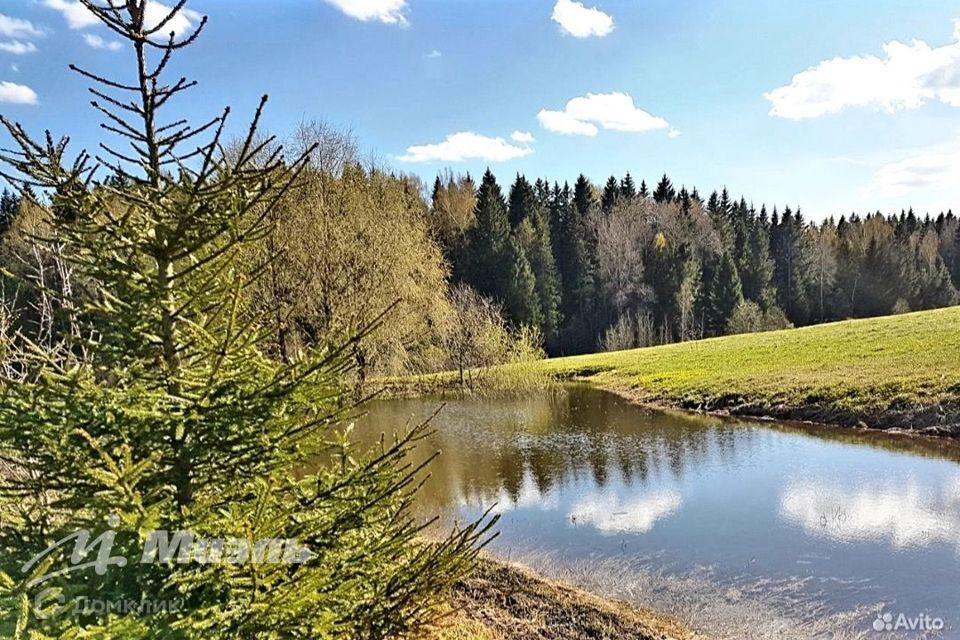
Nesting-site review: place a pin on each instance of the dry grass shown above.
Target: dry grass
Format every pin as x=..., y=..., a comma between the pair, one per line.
x=506, y=602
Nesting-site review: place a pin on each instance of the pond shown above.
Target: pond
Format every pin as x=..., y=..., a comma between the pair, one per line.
x=740, y=529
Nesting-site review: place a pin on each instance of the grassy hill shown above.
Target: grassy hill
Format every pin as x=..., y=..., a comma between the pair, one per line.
x=896, y=371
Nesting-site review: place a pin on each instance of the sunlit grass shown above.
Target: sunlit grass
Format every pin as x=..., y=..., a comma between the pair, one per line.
x=893, y=371
x=873, y=368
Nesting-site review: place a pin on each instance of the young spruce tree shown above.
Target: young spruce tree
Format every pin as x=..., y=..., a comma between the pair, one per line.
x=159, y=411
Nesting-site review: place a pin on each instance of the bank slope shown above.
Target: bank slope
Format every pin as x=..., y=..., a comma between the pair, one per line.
x=499, y=601
x=896, y=371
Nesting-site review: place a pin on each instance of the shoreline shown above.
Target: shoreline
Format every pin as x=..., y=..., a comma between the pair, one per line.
x=507, y=601
x=797, y=417
x=893, y=374
x=792, y=417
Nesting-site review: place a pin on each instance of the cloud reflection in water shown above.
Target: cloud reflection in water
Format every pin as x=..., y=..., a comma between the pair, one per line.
x=902, y=515
x=611, y=513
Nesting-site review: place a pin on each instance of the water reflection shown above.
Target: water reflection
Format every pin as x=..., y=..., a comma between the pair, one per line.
x=836, y=517
x=527, y=496
x=613, y=513
x=517, y=452
x=910, y=515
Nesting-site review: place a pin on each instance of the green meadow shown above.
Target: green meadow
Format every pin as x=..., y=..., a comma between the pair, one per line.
x=894, y=371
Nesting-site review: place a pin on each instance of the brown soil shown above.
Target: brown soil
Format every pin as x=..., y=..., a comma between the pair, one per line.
x=509, y=602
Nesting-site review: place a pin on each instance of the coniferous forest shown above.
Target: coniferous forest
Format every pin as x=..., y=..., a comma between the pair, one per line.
x=622, y=265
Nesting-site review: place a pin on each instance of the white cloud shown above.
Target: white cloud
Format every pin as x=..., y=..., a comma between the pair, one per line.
x=18, y=48
x=931, y=170
x=386, y=11
x=182, y=23
x=523, y=137
x=79, y=17
x=466, y=145
x=562, y=122
x=614, y=111
x=906, y=77
x=434, y=54
x=76, y=15
x=13, y=93
x=580, y=21
x=674, y=133
x=17, y=28
x=96, y=42
x=15, y=67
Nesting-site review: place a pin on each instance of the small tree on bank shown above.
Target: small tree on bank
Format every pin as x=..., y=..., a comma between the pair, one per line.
x=159, y=411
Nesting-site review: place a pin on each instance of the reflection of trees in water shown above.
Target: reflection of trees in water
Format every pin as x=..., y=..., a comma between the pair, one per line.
x=490, y=446
x=497, y=449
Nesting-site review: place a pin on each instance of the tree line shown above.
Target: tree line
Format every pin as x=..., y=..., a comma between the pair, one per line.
x=620, y=265
x=475, y=274
x=347, y=255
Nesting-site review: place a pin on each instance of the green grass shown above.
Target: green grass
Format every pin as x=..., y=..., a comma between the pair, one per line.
x=896, y=371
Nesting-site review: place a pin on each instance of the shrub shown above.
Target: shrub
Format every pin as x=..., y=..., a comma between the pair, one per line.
x=748, y=317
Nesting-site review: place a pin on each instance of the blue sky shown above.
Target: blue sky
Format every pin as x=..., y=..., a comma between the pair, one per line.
x=801, y=103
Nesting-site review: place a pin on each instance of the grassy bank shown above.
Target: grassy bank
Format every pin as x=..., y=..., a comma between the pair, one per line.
x=892, y=372
x=506, y=602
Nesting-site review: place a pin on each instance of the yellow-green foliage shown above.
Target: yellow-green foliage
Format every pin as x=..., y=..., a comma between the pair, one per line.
x=881, y=370
x=147, y=405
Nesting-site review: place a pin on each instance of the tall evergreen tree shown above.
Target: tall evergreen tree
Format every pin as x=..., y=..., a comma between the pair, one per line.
x=533, y=234
x=686, y=202
x=936, y=289
x=559, y=216
x=664, y=191
x=541, y=188
x=611, y=194
x=577, y=264
x=523, y=201
x=757, y=268
x=9, y=208
x=726, y=204
x=520, y=300
x=723, y=294
x=955, y=262
x=713, y=206
x=486, y=266
x=628, y=188
x=880, y=280
x=792, y=266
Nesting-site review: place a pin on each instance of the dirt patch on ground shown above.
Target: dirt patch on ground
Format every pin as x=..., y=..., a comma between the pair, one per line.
x=928, y=422
x=512, y=603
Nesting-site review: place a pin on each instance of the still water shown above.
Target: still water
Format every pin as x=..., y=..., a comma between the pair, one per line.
x=742, y=530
